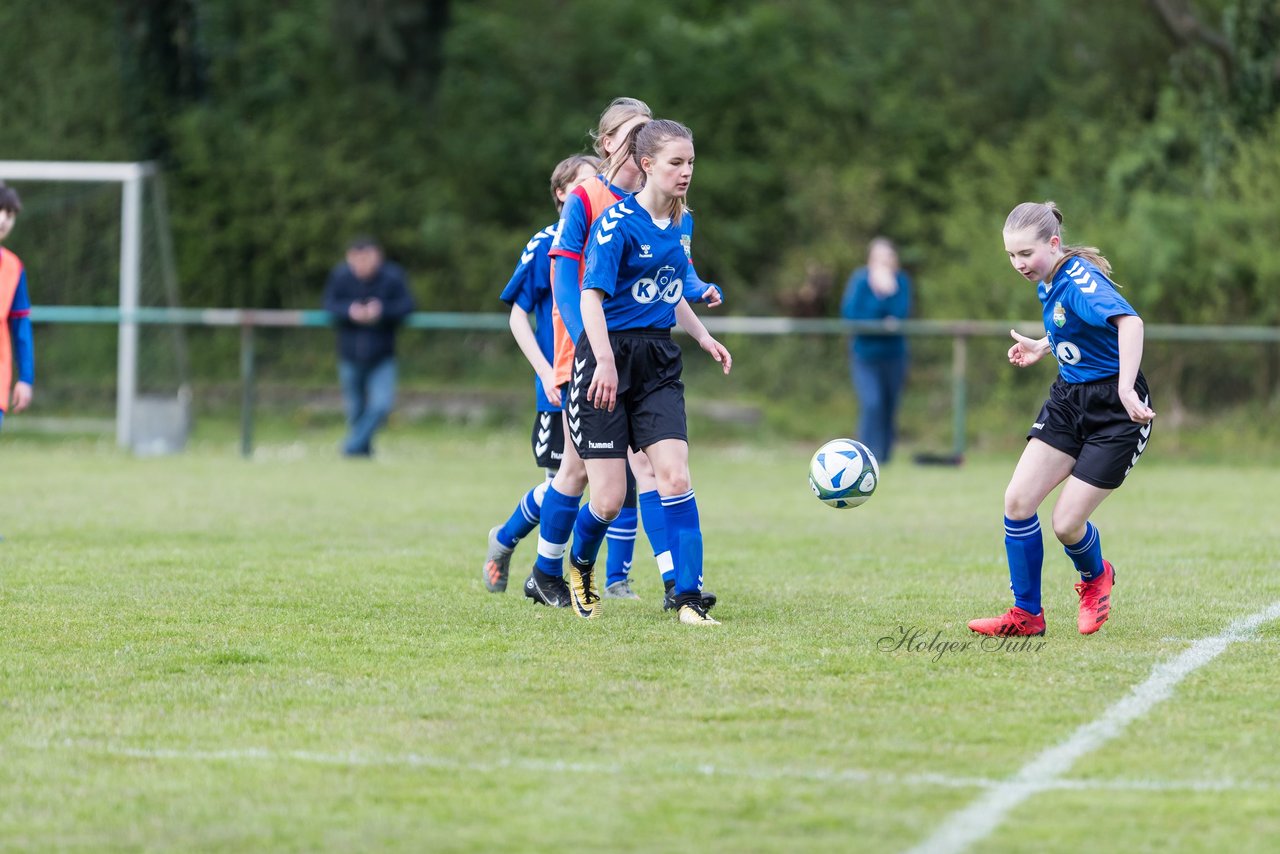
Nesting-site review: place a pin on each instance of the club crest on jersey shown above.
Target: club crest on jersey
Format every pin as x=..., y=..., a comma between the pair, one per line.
x=1059, y=315
x=663, y=285
x=686, y=240
x=646, y=251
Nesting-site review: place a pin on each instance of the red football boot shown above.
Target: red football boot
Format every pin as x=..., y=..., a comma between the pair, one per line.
x=1013, y=623
x=1095, y=599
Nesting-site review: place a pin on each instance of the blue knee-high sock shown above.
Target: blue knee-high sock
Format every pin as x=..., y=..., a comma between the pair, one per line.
x=684, y=536
x=622, y=536
x=654, y=519
x=558, y=513
x=525, y=518
x=1025, y=548
x=588, y=534
x=1087, y=554
x=622, y=545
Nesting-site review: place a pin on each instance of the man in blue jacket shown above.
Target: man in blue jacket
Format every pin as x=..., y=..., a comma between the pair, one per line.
x=368, y=298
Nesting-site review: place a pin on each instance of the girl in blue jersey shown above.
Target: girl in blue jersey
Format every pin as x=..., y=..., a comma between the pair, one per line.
x=528, y=293
x=545, y=583
x=627, y=369
x=619, y=176
x=1089, y=433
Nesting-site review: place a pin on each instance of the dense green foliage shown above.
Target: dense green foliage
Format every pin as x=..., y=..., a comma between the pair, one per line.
x=284, y=127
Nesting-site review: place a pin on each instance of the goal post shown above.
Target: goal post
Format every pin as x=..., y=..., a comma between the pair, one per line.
x=131, y=177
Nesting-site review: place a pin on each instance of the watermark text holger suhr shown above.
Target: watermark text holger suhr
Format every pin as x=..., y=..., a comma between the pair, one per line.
x=922, y=641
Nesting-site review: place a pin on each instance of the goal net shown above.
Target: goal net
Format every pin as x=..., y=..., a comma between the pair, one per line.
x=95, y=241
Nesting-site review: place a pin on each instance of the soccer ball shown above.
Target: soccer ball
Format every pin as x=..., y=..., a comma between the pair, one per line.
x=843, y=473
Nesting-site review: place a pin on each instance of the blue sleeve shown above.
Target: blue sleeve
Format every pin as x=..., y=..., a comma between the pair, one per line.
x=20, y=330
x=604, y=257
x=567, y=249
x=571, y=233
x=1099, y=308
x=1094, y=297
x=696, y=290
x=520, y=287
x=24, y=349
x=567, y=296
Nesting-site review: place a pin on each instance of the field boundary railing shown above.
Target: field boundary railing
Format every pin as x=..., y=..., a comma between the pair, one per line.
x=960, y=331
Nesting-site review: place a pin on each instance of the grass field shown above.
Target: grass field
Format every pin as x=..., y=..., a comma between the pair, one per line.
x=201, y=653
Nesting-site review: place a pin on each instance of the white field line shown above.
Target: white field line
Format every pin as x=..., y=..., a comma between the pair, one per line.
x=984, y=815
x=358, y=759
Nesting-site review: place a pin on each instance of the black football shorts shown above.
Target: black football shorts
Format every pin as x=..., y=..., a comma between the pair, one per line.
x=1088, y=422
x=650, y=404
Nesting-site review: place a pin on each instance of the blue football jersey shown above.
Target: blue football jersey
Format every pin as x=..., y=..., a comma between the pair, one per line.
x=530, y=288
x=639, y=266
x=1077, y=305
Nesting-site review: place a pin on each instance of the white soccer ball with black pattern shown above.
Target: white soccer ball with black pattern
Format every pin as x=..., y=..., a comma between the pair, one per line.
x=843, y=473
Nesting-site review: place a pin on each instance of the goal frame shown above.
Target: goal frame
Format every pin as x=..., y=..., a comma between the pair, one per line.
x=130, y=176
